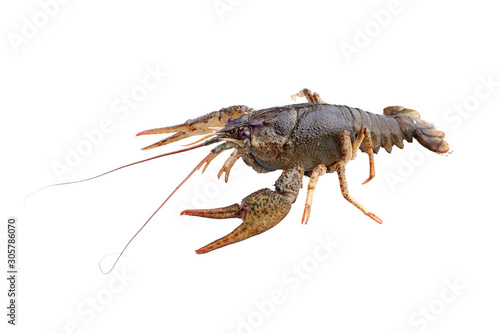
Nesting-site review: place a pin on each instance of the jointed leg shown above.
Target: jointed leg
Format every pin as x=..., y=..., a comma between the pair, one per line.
x=229, y=164
x=347, y=148
x=349, y=152
x=340, y=168
x=316, y=172
x=364, y=134
x=311, y=97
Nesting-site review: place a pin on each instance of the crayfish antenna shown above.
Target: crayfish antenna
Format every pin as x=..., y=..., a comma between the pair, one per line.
x=123, y=166
x=205, y=160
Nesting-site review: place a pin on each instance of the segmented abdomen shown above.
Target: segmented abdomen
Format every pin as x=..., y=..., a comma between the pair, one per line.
x=395, y=125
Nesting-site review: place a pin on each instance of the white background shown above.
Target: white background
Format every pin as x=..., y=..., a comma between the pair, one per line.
x=440, y=227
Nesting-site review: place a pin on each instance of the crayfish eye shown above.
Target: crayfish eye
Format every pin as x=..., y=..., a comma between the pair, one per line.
x=245, y=132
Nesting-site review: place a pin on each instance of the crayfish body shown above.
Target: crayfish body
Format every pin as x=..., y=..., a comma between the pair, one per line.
x=309, y=139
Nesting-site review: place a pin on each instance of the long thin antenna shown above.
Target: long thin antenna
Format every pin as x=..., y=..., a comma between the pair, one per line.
x=124, y=166
x=156, y=211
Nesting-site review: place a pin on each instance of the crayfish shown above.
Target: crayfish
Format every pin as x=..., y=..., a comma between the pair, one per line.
x=308, y=139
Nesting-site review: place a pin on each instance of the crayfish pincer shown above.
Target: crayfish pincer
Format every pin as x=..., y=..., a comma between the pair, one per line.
x=309, y=139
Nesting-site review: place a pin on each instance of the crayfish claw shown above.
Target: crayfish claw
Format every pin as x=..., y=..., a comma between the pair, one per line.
x=207, y=124
x=260, y=211
x=173, y=138
x=228, y=212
